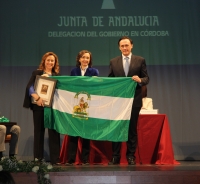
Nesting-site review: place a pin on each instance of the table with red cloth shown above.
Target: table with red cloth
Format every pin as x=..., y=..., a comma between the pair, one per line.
x=154, y=144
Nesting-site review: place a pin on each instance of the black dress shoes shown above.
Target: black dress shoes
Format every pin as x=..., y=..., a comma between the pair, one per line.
x=131, y=161
x=114, y=161
x=1, y=155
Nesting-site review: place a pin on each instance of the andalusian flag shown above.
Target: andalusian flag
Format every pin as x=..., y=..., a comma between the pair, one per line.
x=96, y=108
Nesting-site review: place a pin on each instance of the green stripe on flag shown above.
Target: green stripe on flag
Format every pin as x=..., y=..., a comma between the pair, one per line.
x=91, y=128
x=105, y=86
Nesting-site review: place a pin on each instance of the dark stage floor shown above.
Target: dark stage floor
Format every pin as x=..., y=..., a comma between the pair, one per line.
x=183, y=166
x=187, y=172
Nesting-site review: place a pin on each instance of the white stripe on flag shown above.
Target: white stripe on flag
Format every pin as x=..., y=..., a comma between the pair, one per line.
x=101, y=107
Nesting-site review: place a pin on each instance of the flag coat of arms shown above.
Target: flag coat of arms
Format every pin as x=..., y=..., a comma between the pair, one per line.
x=96, y=108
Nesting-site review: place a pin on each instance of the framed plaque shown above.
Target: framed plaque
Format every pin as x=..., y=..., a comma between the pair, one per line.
x=45, y=88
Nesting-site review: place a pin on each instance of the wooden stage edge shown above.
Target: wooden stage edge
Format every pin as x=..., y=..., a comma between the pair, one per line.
x=187, y=172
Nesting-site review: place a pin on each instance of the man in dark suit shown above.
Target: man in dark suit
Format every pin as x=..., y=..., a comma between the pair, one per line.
x=129, y=65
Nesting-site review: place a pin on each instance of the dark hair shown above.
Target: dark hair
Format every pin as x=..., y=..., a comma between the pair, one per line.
x=80, y=54
x=123, y=38
x=56, y=67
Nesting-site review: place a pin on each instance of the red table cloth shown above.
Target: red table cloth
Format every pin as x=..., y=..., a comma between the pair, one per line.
x=154, y=144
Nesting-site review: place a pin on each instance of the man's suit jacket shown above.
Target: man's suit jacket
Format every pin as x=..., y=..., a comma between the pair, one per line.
x=89, y=72
x=137, y=67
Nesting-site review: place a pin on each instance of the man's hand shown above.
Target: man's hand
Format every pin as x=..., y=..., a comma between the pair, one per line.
x=136, y=79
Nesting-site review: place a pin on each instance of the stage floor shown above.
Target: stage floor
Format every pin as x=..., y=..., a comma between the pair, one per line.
x=187, y=172
x=183, y=166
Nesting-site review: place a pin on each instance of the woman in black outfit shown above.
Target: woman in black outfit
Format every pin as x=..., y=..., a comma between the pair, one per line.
x=49, y=66
x=83, y=68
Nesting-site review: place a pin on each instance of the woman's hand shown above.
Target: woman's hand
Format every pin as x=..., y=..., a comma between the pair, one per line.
x=45, y=75
x=40, y=102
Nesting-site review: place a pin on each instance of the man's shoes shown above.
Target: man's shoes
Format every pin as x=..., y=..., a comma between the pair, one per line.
x=1, y=155
x=114, y=161
x=131, y=161
x=85, y=163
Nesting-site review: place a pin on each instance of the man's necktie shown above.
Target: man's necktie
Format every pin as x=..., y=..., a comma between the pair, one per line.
x=126, y=66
